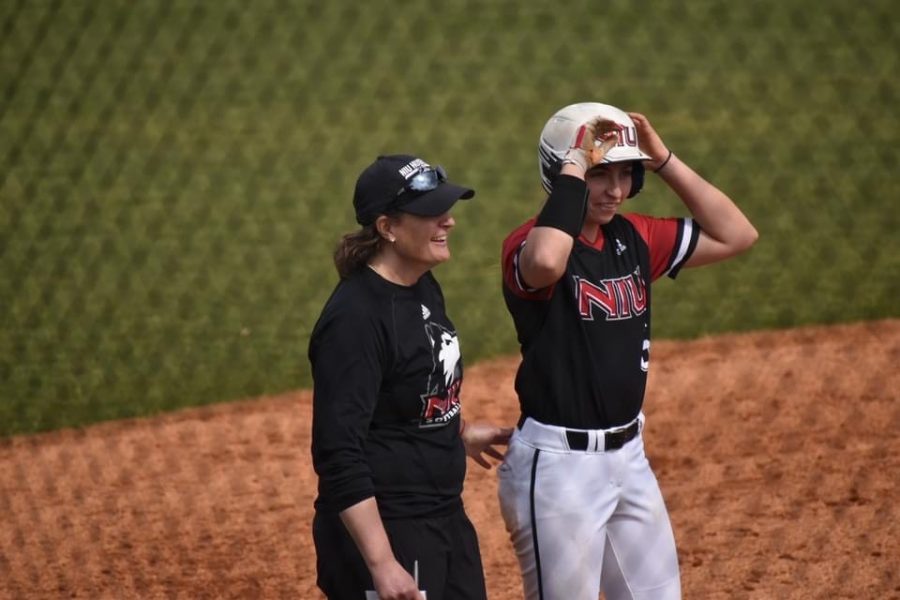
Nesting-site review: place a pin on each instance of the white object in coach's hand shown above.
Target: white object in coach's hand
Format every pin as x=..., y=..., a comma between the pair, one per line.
x=373, y=595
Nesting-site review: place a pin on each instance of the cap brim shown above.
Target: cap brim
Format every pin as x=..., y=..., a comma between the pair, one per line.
x=437, y=201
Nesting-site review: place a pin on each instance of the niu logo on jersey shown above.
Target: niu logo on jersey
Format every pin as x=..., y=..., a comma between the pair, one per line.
x=621, y=298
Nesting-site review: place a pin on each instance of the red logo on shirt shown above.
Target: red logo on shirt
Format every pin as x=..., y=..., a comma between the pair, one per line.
x=620, y=298
x=440, y=406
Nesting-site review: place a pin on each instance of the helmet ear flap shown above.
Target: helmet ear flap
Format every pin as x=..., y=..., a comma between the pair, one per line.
x=637, y=178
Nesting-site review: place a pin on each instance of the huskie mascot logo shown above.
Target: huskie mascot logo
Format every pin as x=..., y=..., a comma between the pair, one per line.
x=441, y=402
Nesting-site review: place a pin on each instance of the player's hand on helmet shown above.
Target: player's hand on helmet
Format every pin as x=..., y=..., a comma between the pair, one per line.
x=393, y=582
x=592, y=141
x=649, y=141
x=480, y=439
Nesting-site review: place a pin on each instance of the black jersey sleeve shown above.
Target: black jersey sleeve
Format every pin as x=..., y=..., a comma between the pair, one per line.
x=346, y=353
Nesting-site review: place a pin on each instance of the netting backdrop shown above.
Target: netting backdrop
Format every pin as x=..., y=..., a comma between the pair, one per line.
x=174, y=175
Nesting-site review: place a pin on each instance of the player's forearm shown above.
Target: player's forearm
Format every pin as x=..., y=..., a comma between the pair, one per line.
x=548, y=245
x=718, y=216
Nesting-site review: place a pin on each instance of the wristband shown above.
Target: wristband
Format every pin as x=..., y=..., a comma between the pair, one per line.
x=664, y=163
x=566, y=206
x=576, y=156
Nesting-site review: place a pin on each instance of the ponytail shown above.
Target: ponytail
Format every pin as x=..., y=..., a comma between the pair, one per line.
x=355, y=249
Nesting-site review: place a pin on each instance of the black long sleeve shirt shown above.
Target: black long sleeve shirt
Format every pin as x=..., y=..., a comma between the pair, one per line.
x=387, y=374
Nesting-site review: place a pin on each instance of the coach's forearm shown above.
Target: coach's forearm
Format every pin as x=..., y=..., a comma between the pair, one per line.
x=390, y=579
x=363, y=522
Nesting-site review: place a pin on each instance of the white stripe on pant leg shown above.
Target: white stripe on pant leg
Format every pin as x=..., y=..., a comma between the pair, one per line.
x=572, y=496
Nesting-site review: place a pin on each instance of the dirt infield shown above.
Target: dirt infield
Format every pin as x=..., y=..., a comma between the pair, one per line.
x=777, y=453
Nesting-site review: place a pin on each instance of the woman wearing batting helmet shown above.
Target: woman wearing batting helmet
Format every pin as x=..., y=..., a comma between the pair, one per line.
x=581, y=503
x=388, y=442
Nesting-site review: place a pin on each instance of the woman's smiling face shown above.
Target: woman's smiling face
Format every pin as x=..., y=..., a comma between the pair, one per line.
x=609, y=185
x=422, y=240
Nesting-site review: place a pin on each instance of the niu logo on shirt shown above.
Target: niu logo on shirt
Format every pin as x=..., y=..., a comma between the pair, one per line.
x=441, y=403
x=621, y=298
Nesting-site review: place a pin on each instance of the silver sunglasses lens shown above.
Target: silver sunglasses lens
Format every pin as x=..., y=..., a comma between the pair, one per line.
x=424, y=181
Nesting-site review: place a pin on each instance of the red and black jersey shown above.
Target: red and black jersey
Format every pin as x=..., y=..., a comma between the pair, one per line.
x=585, y=340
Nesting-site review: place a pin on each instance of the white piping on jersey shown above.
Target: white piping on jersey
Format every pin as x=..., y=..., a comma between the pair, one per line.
x=519, y=282
x=680, y=255
x=687, y=233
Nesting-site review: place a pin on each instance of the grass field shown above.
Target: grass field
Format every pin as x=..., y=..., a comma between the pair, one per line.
x=173, y=175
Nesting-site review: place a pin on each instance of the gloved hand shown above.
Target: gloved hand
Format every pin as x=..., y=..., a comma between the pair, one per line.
x=592, y=141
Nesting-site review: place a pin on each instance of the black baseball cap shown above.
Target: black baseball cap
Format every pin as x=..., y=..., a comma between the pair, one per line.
x=404, y=183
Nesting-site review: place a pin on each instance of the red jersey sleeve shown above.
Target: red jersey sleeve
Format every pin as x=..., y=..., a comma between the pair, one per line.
x=512, y=247
x=671, y=241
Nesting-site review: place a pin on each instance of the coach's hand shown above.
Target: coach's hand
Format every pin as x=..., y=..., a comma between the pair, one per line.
x=480, y=439
x=392, y=582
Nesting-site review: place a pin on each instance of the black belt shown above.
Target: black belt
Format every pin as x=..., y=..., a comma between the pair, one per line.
x=612, y=440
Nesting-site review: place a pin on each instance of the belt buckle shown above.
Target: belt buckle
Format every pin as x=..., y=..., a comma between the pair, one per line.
x=613, y=440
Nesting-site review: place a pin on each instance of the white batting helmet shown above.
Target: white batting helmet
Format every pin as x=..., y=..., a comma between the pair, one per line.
x=559, y=134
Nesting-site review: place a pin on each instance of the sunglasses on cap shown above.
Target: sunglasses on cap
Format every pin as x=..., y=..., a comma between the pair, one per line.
x=424, y=181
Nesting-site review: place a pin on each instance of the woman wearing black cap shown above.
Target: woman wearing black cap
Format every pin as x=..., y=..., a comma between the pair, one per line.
x=389, y=443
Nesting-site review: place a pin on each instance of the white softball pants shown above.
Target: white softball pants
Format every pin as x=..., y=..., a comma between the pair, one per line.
x=581, y=521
